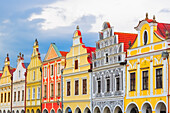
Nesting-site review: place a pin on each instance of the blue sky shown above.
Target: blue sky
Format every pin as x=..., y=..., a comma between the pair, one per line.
x=54, y=21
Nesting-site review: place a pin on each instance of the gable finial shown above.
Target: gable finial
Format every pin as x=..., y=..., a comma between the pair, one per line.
x=154, y=20
x=7, y=55
x=77, y=27
x=20, y=54
x=146, y=16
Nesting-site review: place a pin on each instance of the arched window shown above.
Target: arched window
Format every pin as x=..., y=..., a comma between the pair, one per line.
x=145, y=38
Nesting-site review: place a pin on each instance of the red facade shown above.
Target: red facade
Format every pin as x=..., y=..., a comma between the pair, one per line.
x=51, y=79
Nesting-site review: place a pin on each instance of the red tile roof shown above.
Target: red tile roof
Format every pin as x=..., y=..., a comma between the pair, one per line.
x=0, y=74
x=89, y=50
x=125, y=38
x=63, y=53
x=162, y=28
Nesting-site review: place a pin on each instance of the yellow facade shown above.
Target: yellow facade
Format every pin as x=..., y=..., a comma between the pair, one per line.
x=5, y=87
x=145, y=59
x=70, y=74
x=33, y=89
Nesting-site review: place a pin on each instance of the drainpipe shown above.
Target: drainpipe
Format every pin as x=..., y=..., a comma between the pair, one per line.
x=62, y=91
x=11, y=90
x=41, y=88
x=25, y=90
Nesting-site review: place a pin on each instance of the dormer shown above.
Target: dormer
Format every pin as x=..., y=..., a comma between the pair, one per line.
x=77, y=39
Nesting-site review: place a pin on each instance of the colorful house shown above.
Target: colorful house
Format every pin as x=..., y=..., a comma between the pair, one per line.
x=109, y=69
x=18, y=89
x=147, y=69
x=33, y=82
x=51, y=80
x=77, y=77
x=5, y=87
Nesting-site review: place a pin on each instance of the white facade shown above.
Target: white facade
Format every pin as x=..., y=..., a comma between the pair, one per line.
x=18, y=93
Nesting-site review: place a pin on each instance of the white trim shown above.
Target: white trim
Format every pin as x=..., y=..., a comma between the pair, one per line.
x=160, y=102
x=151, y=76
x=138, y=79
x=147, y=37
x=105, y=108
x=68, y=80
x=119, y=107
x=97, y=107
x=131, y=104
x=147, y=102
x=83, y=78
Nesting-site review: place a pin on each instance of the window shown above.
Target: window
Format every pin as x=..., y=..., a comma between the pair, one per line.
x=45, y=91
x=45, y=71
x=14, y=96
x=19, y=73
x=108, y=84
x=58, y=68
x=5, y=98
x=145, y=37
x=76, y=64
x=38, y=96
x=68, y=88
x=28, y=94
x=52, y=70
x=84, y=86
x=159, y=78
x=117, y=84
x=76, y=87
x=22, y=95
x=1, y=97
x=145, y=80
x=33, y=75
x=52, y=90
x=132, y=82
x=8, y=96
x=33, y=93
x=107, y=59
x=18, y=95
x=99, y=86
x=58, y=89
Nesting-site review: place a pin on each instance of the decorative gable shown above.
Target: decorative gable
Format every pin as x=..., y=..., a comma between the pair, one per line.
x=53, y=52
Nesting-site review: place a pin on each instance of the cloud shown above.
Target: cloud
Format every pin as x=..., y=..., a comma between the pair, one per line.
x=6, y=21
x=165, y=10
x=119, y=13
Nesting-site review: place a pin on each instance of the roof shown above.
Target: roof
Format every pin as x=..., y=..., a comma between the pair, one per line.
x=125, y=38
x=162, y=28
x=0, y=74
x=11, y=70
x=25, y=65
x=89, y=50
x=63, y=53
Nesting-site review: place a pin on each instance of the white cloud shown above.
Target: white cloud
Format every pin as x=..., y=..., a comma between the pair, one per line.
x=6, y=21
x=120, y=13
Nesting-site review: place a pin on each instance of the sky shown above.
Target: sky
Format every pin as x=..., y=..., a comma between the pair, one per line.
x=54, y=21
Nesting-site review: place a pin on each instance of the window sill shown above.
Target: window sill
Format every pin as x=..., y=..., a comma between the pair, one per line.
x=144, y=89
x=132, y=90
x=158, y=88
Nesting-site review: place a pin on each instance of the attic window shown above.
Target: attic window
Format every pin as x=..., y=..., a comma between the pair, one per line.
x=76, y=64
x=145, y=37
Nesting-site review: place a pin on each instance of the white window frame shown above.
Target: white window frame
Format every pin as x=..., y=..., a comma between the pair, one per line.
x=38, y=93
x=50, y=90
x=106, y=84
x=29, y=94
x=58, y=71
x=51, y=70
x=33, y=93
x=34, y=75
x=45, y=71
